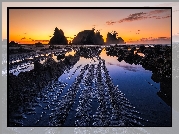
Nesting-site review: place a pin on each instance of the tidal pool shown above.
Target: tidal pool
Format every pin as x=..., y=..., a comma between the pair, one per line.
x=89, y=86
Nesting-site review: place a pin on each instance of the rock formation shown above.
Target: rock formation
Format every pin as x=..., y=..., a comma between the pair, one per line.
x=13, y=44
x=39, y=44
x=88, y=37
x=112, y=39
x=58, y=38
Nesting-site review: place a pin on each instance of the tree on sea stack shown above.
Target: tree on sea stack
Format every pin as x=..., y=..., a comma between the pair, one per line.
x=58, y=38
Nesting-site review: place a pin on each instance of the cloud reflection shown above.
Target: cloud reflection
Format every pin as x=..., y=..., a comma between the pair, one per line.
x=126, y=67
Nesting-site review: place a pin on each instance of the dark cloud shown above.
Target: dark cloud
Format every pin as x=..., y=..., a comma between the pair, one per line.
x=158, y=18
x=162, y=37
x=156, y=39
x=110, y=22
x=153, y=14
x=23, y=38
x=158, y=11
x=141, y=16
x=143, y=39
x=133, y=17
x=153, y=40
x=42, y=40
x=166, y=17
x=31, y=39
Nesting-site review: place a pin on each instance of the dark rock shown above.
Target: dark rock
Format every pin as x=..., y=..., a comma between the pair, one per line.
x=88, y=37
x=112, y=39
x=58, y=38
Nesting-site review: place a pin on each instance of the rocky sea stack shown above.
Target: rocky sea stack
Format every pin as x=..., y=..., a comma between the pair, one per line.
x=88, y=37
x=113, y=39
x=58, y=38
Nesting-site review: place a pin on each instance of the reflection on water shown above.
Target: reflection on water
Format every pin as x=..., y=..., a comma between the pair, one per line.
x=91, y=86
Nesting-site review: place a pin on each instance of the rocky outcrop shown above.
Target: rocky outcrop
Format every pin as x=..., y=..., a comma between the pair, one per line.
x=112, y=38
x=121, y=41
x=88, y=37
x=39, y=44
x=58, y=38
x=13, y=44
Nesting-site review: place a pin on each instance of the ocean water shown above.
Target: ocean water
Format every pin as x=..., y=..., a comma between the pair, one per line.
x=94, y=88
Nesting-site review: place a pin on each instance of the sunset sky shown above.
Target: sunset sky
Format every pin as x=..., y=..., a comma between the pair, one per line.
x=133, y=25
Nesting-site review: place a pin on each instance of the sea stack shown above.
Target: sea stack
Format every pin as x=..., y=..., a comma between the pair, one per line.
x=58, y=38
